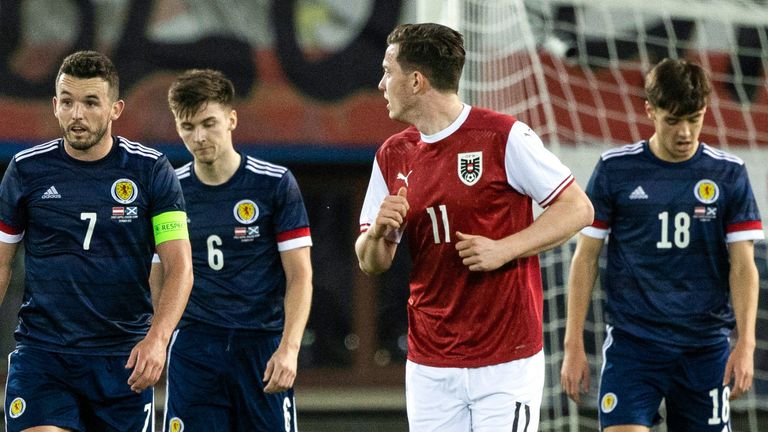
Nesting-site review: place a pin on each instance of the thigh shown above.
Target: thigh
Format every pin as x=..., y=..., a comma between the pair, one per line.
x=698, y=400
x=507, y=396
x=107, y=402
x=38, y=392
x=436, y=399
x=633, y=381
x=196, y=394
x=255, y=410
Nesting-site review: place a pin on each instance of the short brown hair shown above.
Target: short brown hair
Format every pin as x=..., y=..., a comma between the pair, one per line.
x=678, y=86
x=434, y=50
x=91, y=64
x=195, y=88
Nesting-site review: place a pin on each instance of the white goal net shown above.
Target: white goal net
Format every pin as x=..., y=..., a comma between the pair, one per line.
x=573, y=70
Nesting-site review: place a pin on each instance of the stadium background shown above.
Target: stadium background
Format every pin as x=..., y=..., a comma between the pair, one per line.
x=306, y=73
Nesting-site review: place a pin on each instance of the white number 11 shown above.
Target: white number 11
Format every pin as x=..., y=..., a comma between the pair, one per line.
x=444, y=217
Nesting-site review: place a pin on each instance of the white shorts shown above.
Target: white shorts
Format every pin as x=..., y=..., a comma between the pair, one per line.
x=503, y=397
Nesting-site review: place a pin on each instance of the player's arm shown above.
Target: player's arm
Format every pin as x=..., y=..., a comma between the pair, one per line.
x=574, y=374
x=155, y=282
x=569, y=213
x=7, y=252
x=148, y=356
x=744, y=281
x=374, y=250
x=282, y=366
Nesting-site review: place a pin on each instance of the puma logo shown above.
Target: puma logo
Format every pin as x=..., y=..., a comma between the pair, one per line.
x=404, y=178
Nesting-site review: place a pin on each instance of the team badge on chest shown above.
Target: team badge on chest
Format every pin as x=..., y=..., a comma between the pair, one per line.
x=246, y=212
x=470, y=167
x=124, y=191
x=706, y=191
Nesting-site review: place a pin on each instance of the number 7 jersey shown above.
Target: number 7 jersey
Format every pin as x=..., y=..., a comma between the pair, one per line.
x=668, y=226
x=478, y=176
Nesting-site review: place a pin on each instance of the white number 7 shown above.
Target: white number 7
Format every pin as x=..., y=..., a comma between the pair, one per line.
x=91, y=218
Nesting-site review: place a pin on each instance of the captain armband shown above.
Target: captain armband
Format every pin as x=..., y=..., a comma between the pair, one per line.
x=170, y=225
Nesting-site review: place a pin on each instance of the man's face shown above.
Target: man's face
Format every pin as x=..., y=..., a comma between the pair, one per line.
x=677, y=136
x=207, y=134
x=85, y=110
x=395, y=84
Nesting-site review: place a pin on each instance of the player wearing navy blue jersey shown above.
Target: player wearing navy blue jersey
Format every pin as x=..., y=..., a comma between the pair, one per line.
x=233, y=360
x=681, y=219
x=91, y=209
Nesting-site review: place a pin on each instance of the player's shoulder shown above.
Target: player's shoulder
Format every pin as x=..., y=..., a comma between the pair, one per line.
x=263, y=169
x=135, y=150
x=715, y=155
x=489, y=119
x=406, y=137
x=184, y=172
x=38, y=152
x=623, y=153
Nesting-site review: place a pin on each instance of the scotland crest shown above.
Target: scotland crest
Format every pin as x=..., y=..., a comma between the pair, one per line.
x=470, y=167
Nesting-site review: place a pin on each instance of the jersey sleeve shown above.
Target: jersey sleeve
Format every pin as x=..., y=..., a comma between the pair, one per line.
x=374, y=196
x=12, y=213
x=165, y=190
x=291, y=220
x=598, y=192
x=743, y=216
x=531, y=168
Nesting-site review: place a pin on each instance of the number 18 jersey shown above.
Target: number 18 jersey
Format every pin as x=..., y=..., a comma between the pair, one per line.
x=668, y=226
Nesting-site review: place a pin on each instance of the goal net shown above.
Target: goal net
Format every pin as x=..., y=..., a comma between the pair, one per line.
x=573, y=70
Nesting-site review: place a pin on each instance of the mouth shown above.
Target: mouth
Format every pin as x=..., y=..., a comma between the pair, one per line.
x=78, y=129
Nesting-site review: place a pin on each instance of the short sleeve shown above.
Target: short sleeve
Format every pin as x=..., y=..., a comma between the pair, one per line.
x=12, y=211
x=165, y=189
x=291, y=220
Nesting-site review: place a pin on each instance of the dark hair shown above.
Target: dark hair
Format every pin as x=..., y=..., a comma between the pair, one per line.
x=678, y=86
x=196, y=87
x=91, y=64
x=434, y=50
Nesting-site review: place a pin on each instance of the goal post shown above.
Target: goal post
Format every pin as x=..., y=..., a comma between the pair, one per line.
x=573, y=70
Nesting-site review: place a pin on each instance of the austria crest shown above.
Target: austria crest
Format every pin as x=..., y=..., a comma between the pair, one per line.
x=470, y=167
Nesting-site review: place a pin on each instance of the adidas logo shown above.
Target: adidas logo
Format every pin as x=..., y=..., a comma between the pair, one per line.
x=638, y=193
x=51, y=193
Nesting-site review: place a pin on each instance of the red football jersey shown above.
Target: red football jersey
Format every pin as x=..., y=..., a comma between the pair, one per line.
x=478, y=176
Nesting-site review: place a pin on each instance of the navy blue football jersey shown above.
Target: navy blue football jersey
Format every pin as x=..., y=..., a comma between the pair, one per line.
x=669, y=224
x=238, y=230
x=88, y=242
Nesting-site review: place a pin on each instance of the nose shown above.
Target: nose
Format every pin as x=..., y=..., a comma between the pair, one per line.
x=77, y=111
x=198, y=135
x=685, y=129
x=381, y=83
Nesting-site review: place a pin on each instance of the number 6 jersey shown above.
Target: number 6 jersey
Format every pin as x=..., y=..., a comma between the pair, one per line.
x=477, y=176
x=669, y=225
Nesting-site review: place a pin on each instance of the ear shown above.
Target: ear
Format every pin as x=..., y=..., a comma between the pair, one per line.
x=649, y=111
x=419, y=82
x=232, y=120
x=117, y=109
x=54, y=107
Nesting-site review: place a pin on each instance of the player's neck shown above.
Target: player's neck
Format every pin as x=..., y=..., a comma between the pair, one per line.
x=93, y=153
x=438, y=113
x=220, y=170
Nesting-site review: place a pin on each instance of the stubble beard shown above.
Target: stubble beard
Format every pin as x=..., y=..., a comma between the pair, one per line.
x=85, y=143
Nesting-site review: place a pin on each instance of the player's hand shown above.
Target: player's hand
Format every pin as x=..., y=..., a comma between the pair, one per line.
x=480, y=253
x=146, y=359
x=391, y=215
x=741, y=368
x=281, y=370
x=574, y=375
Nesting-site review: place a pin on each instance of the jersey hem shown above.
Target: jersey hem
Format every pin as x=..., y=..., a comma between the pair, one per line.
x=476, y=363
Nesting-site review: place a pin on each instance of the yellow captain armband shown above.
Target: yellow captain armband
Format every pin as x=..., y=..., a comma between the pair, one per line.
x=170, y=225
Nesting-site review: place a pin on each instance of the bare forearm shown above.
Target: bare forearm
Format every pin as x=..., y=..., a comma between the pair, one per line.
x=374, y=254
x=744, y=296
x=170, y=303
x=298, y=300
x=5, y=280
x=561, y=221
x=581, y=281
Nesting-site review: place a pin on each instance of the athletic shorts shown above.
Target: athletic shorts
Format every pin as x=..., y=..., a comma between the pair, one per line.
x=500, y=398
x=74, y=391
x=637, y=375
x=215, y=383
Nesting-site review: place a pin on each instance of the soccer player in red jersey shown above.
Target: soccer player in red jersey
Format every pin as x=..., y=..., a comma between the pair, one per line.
x=460, y=183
